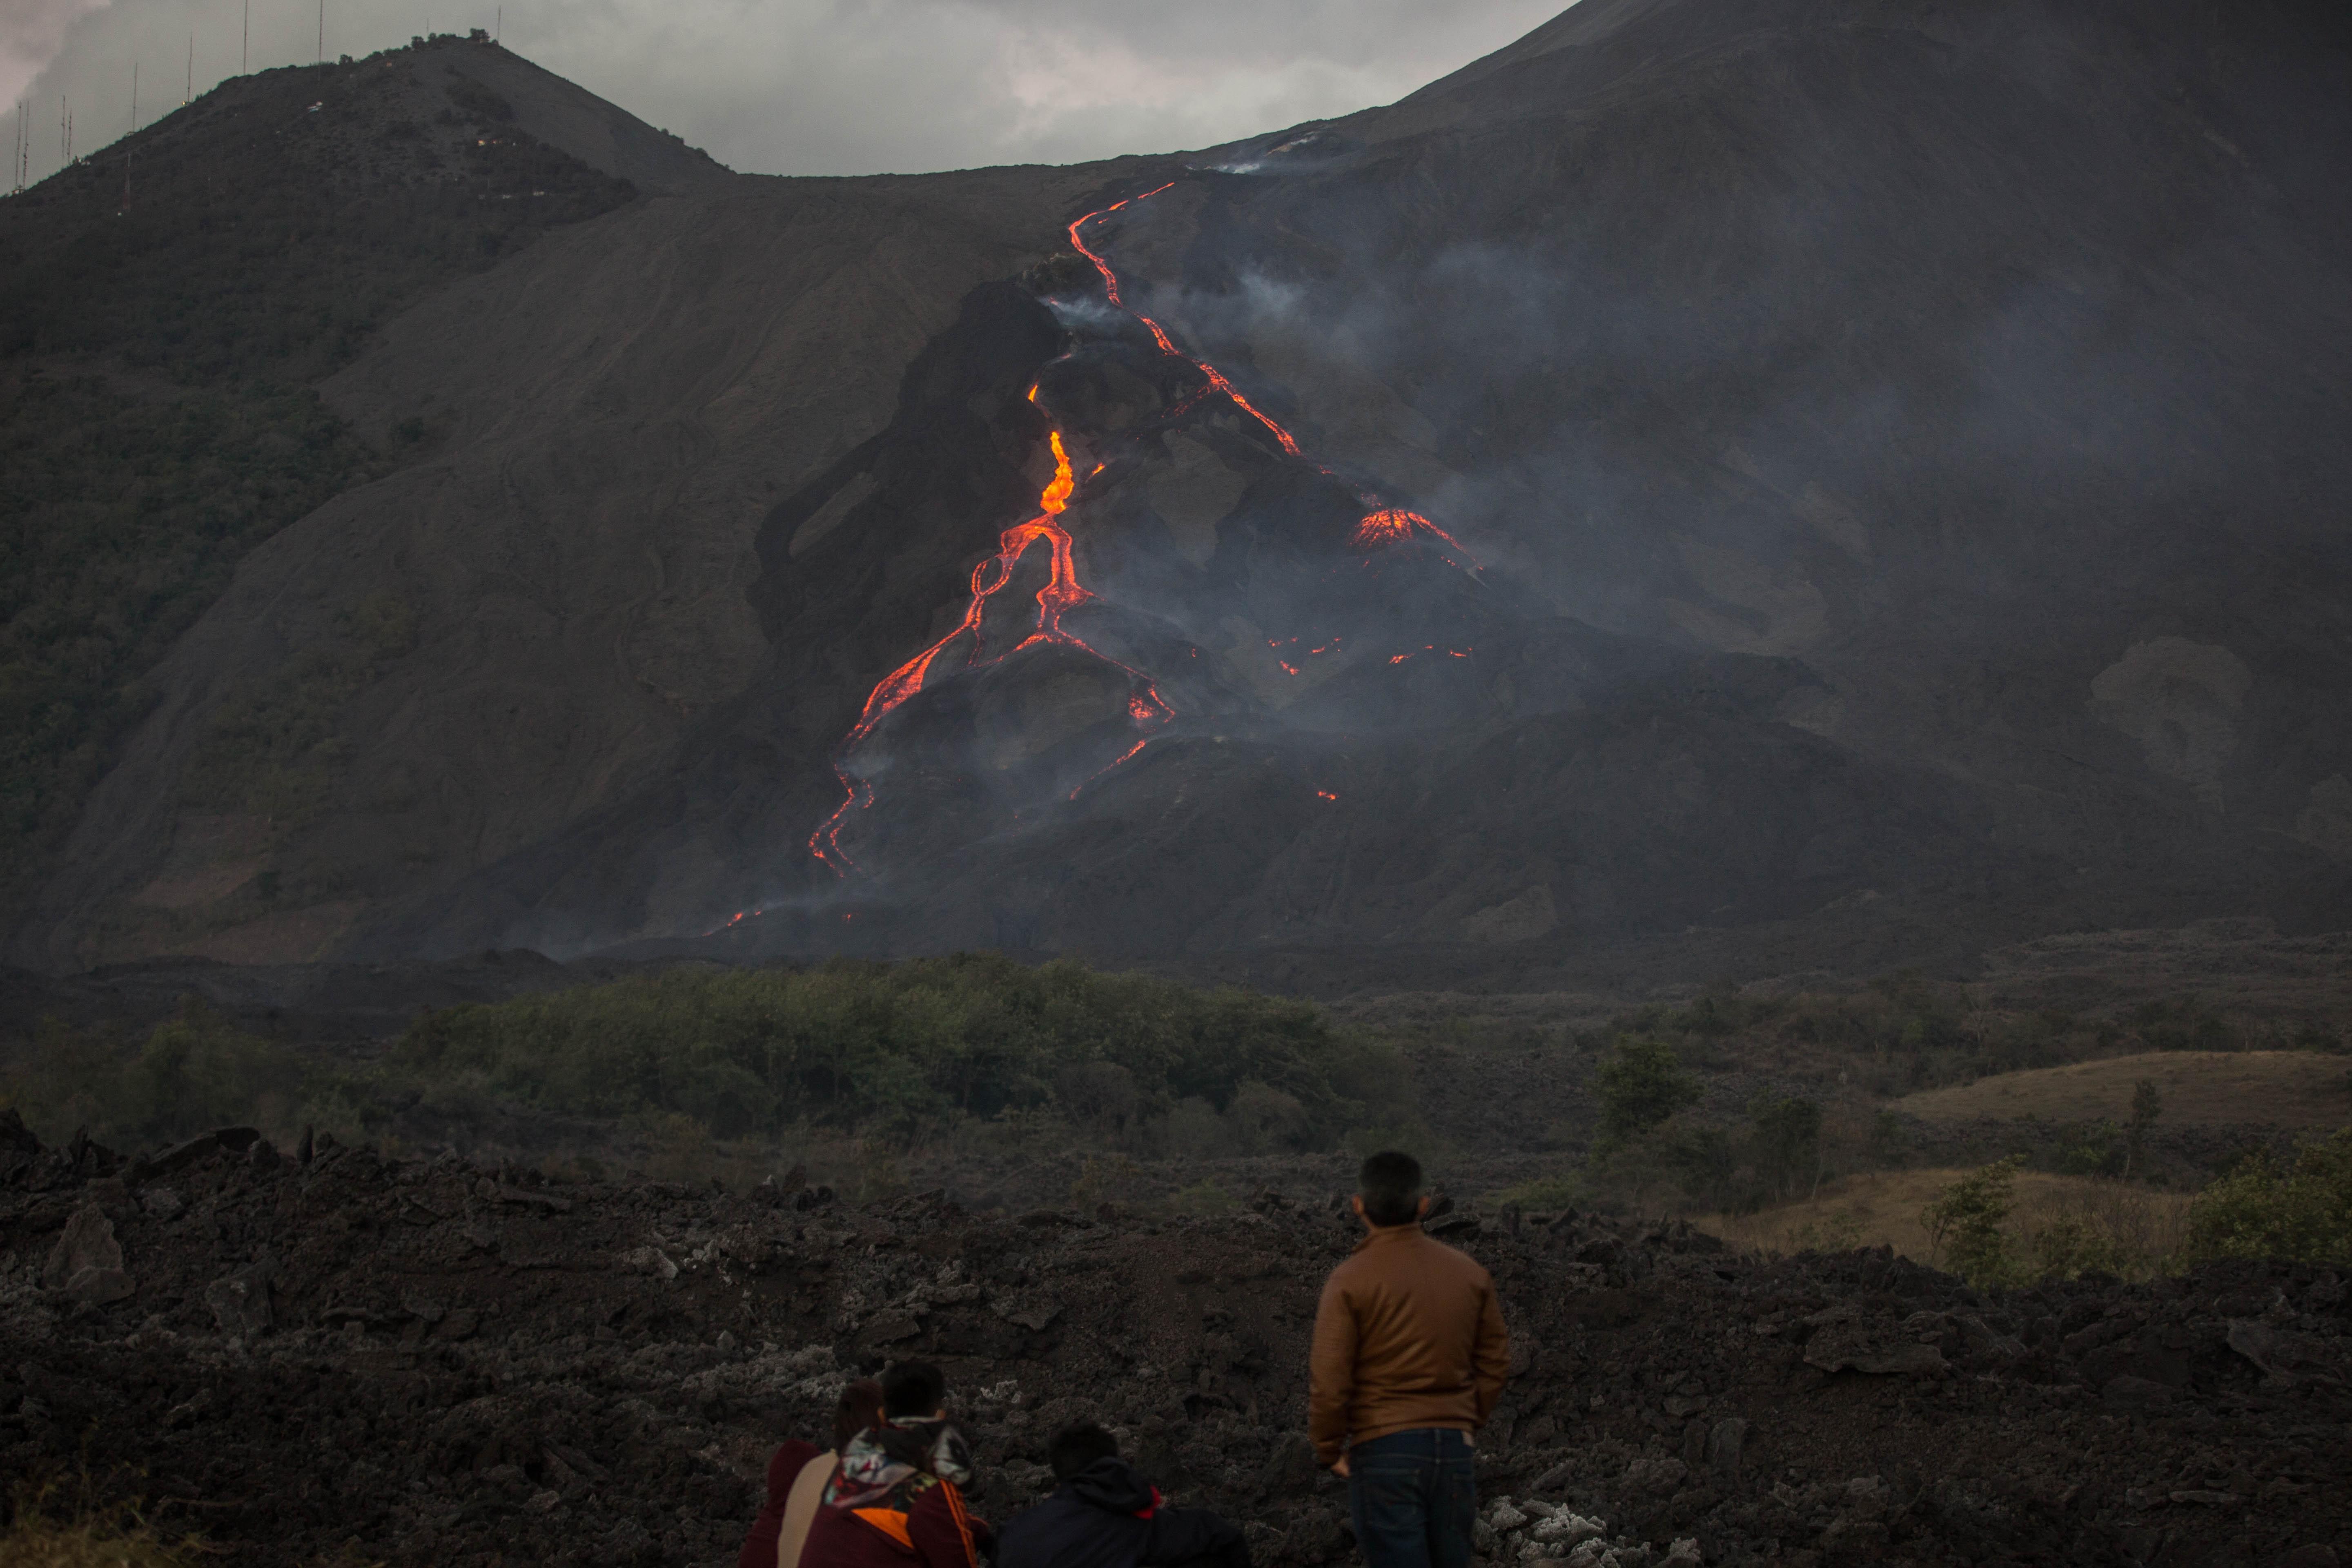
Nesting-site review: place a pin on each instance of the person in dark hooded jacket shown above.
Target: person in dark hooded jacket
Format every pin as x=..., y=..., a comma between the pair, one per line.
x=1105, y=1515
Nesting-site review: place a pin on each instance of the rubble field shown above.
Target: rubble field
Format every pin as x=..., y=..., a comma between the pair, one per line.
x=330, y=1354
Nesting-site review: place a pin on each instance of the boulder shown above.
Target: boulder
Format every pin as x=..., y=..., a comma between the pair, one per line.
x=87, y=1245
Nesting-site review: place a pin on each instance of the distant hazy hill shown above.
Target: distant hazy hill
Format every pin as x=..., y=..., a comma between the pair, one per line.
x=1904, y=447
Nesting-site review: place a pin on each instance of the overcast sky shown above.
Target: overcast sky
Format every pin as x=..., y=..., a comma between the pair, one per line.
x=813, y=87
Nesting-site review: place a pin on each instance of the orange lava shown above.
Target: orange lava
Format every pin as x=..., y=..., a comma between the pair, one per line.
x=1390, y=526
x=1160, y=335
x=1061, y=594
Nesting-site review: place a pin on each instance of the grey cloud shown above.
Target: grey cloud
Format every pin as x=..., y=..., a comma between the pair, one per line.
x=815, y=87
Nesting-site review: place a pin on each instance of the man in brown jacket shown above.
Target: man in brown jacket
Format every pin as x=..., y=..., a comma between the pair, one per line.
x=1410, y=1357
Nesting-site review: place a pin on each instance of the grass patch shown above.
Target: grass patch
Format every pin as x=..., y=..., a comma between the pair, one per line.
x=2297, y=1089
x=1540, y=1194
x=2051, y=1224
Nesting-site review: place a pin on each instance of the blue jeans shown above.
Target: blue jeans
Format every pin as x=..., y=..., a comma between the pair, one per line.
x=1415, y=1495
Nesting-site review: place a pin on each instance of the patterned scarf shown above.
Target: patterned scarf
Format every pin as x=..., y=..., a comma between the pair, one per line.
x=890, y=1465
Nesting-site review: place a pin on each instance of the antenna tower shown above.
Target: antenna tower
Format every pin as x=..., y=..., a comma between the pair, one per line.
x=322, y=32
x=245, y=45
x=188, y=88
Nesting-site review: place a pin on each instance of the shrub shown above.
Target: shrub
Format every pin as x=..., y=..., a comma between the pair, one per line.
x=1786, y=1144
x=1541, y=1193
x=919, y=1042
x=2300, y=1211
x=1965, y=1221
x=193, y=1072
x=1641, y=1083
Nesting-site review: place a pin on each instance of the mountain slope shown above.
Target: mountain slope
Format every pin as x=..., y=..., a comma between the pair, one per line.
x=164, y=306
x=1880, y=463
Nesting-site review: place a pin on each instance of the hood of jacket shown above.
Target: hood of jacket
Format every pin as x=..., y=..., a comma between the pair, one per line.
x=1114, y=1486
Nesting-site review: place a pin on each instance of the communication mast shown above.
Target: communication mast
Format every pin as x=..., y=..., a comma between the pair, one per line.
x=245, y=45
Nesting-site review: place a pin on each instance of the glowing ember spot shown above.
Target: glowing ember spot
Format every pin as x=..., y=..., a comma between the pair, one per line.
x=1288, y=668
x=1327, y=794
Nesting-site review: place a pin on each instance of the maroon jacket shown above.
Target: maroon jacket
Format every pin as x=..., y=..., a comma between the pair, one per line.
x=783, y=1468
x=936, y=1532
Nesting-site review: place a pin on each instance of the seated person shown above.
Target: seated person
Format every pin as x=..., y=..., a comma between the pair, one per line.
x=896, y=1498
x=797, y=1474
x=1105, y=1515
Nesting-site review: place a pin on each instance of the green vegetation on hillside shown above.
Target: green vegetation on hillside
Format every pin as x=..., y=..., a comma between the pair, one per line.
x=1905, y=1033
x=2300, y=1209
x=888, y=1053
x=98, y=576
x=854, y=1044
x=155, y=361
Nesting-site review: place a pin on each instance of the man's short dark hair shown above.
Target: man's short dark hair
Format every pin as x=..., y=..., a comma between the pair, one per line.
x=1075, y=1447
x=912, y=1389
x=1389, y=1184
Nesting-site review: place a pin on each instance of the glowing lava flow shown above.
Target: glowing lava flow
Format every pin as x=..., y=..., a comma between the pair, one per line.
x=1061, y=594
x=1160, y=335
x=1382, y=526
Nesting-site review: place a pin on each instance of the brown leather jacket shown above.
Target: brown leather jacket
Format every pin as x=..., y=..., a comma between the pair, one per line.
x=1409, y=1335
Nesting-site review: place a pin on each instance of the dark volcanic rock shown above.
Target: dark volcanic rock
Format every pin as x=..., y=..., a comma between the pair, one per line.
x=323, y=1356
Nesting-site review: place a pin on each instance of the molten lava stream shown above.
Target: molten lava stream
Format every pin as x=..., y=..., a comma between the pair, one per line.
x=1062, y=593
x=1382, y=526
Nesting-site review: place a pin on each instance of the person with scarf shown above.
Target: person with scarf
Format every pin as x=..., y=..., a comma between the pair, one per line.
x=797, y=1474
x=898, y=1496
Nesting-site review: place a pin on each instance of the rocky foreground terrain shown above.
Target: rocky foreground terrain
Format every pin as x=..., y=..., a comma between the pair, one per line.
x=414, y=1359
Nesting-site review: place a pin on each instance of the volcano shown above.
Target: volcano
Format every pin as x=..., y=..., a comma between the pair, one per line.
x=1830, y=483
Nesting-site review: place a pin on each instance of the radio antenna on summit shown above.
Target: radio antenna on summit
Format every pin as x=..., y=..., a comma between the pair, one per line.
x=188, y=87
x=245, y=44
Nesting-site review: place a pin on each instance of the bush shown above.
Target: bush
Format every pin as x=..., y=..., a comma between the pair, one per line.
x=194, y=1072
x=2300, y=1211
x=1965, y=1221
x=1641, y=1083
x=919, y=1043
x=1786, y=1144
x=1542, y=1194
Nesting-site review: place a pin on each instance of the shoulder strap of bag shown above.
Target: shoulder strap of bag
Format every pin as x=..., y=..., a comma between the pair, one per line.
x=801, y=1506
